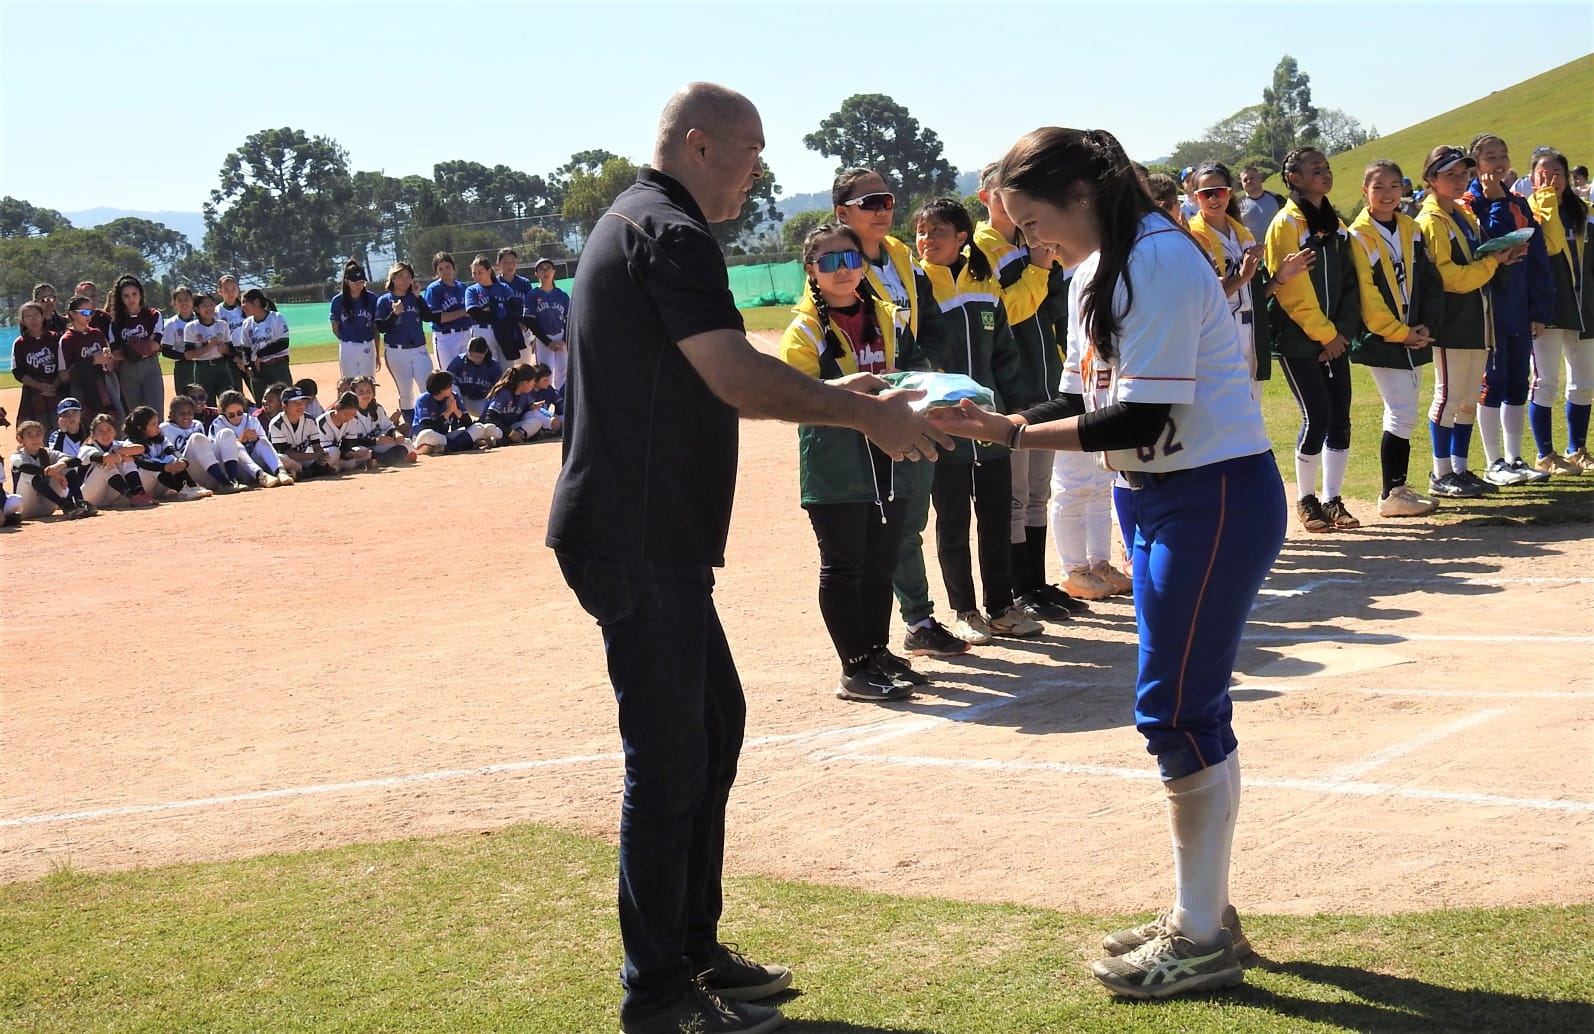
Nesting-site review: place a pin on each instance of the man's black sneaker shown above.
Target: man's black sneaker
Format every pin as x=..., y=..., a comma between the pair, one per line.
x=1037, y=609
x=699, y=1011
x=898, y=668
x=730, y=974
x=873, y=686
x=1055, y=595
x=933, y=640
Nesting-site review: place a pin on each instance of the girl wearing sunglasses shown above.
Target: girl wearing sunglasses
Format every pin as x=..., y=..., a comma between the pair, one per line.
x=1313, y=320
x=1238, y=259
x=850, y=489
x=980, y=345
x=864, y=205
x=256, y=456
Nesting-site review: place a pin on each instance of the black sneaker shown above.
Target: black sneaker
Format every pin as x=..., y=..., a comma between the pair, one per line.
x=732, y=975
x=1336, y=514
x=898, y=668
x=933, y=640
x=1311, y=514
x=1467, y=477
x=1452, y=487
x=872, y=685
x=1037, y=609
x=1056, y=596
x=701, y=1012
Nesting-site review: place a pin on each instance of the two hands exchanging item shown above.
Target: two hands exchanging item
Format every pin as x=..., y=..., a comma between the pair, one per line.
x=903, y=433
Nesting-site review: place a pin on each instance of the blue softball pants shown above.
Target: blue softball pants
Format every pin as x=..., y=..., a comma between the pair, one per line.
x=1205, y=540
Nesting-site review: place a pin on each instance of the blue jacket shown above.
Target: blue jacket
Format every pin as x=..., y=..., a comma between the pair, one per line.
x=1523, y=293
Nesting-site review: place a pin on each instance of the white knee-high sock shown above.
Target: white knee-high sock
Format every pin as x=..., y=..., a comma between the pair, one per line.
x=1202, y=809
x=1489, y=431
x=1511, y=419
x=1306, y=474
x=1334, y=463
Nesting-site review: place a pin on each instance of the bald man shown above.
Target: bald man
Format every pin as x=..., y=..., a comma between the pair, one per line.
x=660, y=371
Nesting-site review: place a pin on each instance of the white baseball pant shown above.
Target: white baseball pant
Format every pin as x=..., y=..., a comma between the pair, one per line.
x=356, y=359
x=454, y=343
x=1554, y=349
x=557, y=360
x=409, y=367
x=1081, y=509
x=1398, y=388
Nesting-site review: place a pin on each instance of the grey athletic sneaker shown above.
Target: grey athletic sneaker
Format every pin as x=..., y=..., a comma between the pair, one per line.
x=1171, y=964
x=698, y=1011
x=735, y=977
x=1122, y=942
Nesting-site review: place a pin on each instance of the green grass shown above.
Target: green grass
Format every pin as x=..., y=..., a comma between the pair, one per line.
x=1551, y=108
x=516, y=931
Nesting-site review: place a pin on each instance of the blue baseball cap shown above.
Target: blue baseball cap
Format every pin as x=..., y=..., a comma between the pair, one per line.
x=294, y=395
x=67, y=405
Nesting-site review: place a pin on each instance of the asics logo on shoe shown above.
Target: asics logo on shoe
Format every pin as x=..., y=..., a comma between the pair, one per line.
x=1171, y=969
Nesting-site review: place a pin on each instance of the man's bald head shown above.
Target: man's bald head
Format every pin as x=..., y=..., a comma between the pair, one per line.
x=708, y=107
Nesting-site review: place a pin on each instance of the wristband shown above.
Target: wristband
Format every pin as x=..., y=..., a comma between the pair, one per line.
x=1014, y=436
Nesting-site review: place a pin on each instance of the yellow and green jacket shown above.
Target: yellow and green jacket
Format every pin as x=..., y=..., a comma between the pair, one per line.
x=1261, y=329
x=1026, y=289
x=1386, y=320
x=979, y=343
x=1568, y=250
x=1305, y=313
x=1467, y=320
x=834, y=463
x=919, y=334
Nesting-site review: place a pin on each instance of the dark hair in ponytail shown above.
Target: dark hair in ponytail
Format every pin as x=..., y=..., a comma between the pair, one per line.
x=352, y=270
x=1068, y=167
x=1320, y=218
x=846, y=179
x=1574, y=212
x=817, y=236
x=1218, y=169
x=950, y=210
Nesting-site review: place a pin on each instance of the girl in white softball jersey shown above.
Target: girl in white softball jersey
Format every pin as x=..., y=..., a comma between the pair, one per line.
x=160, y=458
x=257, y=460
x=111, y=473
x=375, y=429
x=214, y=463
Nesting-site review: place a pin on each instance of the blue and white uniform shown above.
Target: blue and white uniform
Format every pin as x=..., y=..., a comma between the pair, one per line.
x=550, y=309
x=474, y=380
x=451, y=338
x=493, y=308
x=448, y=433
x=509, y=411
x=404, y=334
x=354, y=322
x=521, y=287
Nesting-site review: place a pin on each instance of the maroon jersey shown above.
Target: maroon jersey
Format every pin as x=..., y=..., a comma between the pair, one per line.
x=137, y=336
x=79, y=345
x=37, y=357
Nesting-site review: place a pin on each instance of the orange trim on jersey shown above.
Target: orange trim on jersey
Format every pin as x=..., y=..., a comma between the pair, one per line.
x=1189, y=643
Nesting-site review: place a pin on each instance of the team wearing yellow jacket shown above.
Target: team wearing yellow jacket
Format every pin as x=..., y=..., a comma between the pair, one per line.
x=1261, y=332
x=1309, y=310
x=1397, y=291
x=1026, y=290
x=1467, y=323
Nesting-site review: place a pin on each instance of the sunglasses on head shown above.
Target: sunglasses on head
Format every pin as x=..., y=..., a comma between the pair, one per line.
x=880, y=201
x=834, y=260
x=1217, y=192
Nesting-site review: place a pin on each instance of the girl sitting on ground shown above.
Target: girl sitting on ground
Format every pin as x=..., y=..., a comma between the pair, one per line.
x=160, y=457
x=112, y=473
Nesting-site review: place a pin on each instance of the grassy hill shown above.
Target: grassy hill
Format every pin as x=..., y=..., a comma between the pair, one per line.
x=1552, y=108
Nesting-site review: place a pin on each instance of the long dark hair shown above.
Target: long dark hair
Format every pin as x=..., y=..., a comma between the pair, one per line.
x=121, y=316
x=137, y=420
x=846, y=179
x=810, y=252
x=950, y=210
x=1064, y=167
x=520, y=373
x=1320, y=218
x=1574, y=211
x=352, y=270
x=1232, y=209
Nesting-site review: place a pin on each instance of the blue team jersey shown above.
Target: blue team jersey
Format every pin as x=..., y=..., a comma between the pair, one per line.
x=429, y=413
x=408, y=329
x=357, y=320
x=505, y=403
x=521, y=288
x=550, y=308
x=543, y=396
x=474, y=380
x=441, y=298
x=496, y=298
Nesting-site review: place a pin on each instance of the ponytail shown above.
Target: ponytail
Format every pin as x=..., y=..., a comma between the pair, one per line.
x=1322, y=218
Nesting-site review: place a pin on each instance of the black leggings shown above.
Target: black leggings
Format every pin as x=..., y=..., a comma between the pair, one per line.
x=858, y=545
x=1323, y=392
x=989, y=483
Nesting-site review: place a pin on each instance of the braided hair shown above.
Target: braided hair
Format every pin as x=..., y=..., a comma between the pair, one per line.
x=1071, y=167
x=950, y=210
x=811, y=244
x=1320, y=218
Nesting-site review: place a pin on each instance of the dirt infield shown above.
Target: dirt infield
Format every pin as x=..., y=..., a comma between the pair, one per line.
x=396, y=655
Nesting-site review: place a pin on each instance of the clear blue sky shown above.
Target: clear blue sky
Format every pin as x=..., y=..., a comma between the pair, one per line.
x=134, y=105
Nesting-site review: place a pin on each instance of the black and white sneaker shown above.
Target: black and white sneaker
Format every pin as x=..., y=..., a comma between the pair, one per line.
x=898, y=668
x=1529, y=475
x=1034, y=607
x=1452, y=487
x=872, y=686
x=702, y=1012
x=1467, y=477
x=731, y=975
x=933, y=640
x=1057, y=597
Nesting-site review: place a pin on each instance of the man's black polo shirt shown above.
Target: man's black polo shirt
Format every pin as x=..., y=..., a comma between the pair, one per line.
x=650, y=453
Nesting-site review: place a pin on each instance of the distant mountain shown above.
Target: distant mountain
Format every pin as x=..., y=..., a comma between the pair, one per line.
x=795, y=204
x=189, y=224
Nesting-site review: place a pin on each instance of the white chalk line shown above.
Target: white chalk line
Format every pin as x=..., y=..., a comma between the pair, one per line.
x=1349, y=788
x=1410, y=745
x=1436, y=694
x=1270, y=595
x=1393, y=638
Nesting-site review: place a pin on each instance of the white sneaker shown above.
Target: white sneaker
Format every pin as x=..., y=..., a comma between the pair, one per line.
x=1500, y=473
x=1403, y=501
x=188, y=493
x=971, y=628
x=265, y=480
x=1526, y=474
x=1015, y=624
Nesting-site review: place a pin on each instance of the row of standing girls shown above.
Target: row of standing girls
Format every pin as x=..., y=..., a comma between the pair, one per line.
x=511, y=314
x=1501, y=324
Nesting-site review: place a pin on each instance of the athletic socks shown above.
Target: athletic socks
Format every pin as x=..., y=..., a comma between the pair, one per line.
x=1440, y=435
x=1334, y=463
x=1306, y=474
x=1394, y=456
x=1035, y=542
x=233, y=474
x=1539, y=423
x=41, y=485
x=1019, y=562
x=1577, y=426
x=1489, y=431
x=120, y=485
x=218, y=474
x=1202, y=811
x=1512, y=419
x=135, y=483
x=1460, y=445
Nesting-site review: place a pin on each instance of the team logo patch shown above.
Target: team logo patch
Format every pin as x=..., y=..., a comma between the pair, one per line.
x=988, y=320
